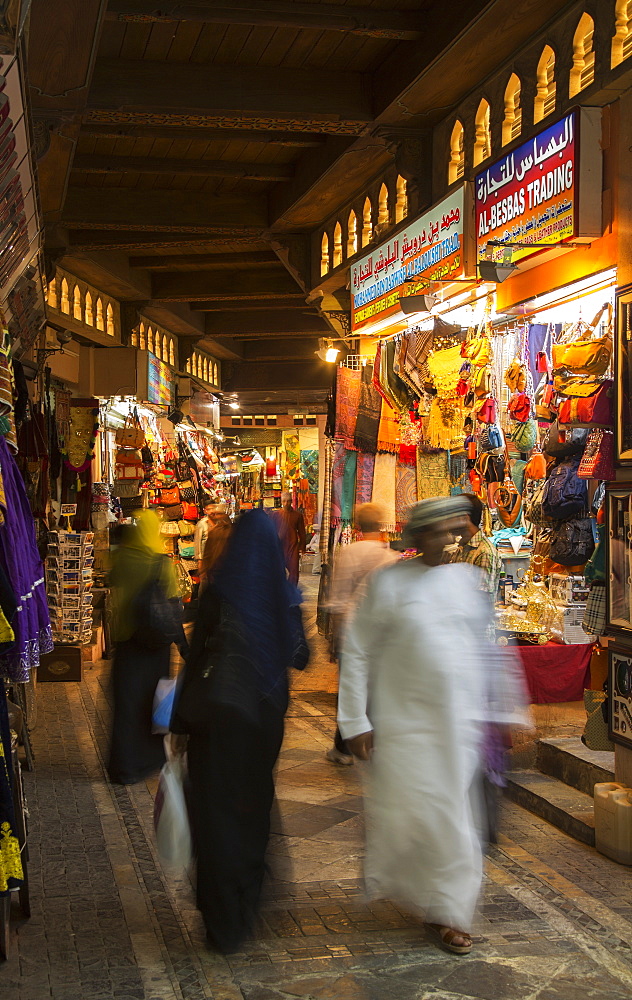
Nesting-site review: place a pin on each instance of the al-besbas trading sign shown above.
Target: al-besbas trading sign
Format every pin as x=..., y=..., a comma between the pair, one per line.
x=531, y=195
x=429, y=249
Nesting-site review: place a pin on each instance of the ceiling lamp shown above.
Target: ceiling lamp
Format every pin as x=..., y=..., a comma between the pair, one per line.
x=234, y=405
x=496, y=270
x=327, y=352
x=418, y=303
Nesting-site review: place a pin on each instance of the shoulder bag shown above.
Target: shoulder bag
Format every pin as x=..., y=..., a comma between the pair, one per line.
x=586, y=355
x=506, y=498
x=131, y=434
x=159, y=619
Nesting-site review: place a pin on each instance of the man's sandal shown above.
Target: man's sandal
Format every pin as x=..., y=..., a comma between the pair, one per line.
x=446, y=937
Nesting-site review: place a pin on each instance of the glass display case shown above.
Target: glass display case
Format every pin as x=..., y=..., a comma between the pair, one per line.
x=619, y=558
x=623, y=375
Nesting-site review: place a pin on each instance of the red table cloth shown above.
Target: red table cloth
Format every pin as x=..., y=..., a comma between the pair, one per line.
x=556, y=673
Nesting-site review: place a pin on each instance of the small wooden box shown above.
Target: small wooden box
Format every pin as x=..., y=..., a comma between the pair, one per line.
x=63, y=664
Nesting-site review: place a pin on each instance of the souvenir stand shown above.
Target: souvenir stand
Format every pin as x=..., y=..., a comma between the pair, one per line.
x=514, y=405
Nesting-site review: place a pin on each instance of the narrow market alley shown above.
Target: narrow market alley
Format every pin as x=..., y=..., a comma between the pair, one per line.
x=109, y=921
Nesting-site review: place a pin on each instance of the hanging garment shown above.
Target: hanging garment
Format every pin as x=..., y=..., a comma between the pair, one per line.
x=416, y=358
x=368, y=421
x=347, y=403
x=433, y=478
x=364, y=478
x=388, y=434
x=344, y=475
x=405, y=493
x=11, y=874
x=21, y=563
x=384, y=488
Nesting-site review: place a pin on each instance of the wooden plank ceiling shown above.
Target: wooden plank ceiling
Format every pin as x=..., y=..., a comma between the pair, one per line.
x=190, y=147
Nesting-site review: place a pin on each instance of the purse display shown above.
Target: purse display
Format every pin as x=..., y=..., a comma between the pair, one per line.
x=519, y=407
x=186, y=549
x=516, y=376
x=586, y=355
x=169, y=528
x=533, y=509
x=129, y=464
x=524, y=435
x=572, y=542
x=596, y=410
x=173, y=513
x=190, y=511
x=487, y=412
x=186, y=529
x=131, y=434
x=506, y=498
x=598, y=459
x=536, y=466
x=187, y=491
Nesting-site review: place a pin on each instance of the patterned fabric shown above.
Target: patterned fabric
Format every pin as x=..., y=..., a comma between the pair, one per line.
x=405, y=493
x=364, y=478
x=344, y=477
x=337, y=473
x=388, y=434
x=384, y=488
x=445, y=423
x=595, y=614
x=292, y=450
x=309, y=468
x=480, y=551
x=445, y=367
x=11, y=874
x=433, y=478
x=416, y=357
x=368, y=422
x=408, y=454
x=347, y=403
x=325, y=522
x=377, y=378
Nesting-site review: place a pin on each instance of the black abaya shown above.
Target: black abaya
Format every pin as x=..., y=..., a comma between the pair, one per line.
x=135, y=751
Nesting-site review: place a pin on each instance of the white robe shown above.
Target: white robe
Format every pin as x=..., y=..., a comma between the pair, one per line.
x=412, y=670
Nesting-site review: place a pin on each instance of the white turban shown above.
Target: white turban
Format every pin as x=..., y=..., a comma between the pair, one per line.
x=434, y=509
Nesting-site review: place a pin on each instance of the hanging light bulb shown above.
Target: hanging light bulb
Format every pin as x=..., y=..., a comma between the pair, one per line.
x=327, y=352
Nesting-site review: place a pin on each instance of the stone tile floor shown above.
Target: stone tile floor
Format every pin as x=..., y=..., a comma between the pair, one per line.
x=109, y=921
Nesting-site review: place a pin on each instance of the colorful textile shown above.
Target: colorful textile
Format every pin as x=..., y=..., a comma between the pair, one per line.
x=390, y=381
x=309, y=468
x=433, y=479
x=445, y=423
x=405, y=493
x=408, y=454
x=364, y=478
x=368, y=422
x=377, y=378
x=480, y=551
x=388, y=434
x=292, y=450
x=325, y=522
x=347, y=403
x=556, y=673
x=22, y=565
x=344, y=476
x=415, y=362
x=384, y=488
x=445, y=367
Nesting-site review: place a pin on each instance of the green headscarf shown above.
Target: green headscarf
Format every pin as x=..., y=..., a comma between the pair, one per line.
x=140, y=557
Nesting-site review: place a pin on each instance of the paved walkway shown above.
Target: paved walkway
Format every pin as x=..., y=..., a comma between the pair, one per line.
x=110, y=922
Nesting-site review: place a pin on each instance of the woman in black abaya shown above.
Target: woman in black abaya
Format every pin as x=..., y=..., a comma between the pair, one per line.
x=232, y=705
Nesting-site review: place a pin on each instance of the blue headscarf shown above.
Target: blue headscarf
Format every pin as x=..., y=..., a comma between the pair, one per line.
x=252, y=578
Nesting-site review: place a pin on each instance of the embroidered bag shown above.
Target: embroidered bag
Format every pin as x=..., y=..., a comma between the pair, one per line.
x=598, y=459
x=533, y=510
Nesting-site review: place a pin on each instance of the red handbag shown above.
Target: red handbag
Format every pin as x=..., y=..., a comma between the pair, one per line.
x=189, y=511
x=596, y=410
x=487, y=412
x=598, y=458
x=519, y=407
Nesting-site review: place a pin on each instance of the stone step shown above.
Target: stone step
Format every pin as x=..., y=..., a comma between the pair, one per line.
x=565, y=807
x=567, y=759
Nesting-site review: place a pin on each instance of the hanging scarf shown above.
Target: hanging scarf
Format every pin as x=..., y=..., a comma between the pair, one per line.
x=325, y=521
x=415, y=362
x=408, y=454
x=396, y=390
x=405, y=493
x=444, y=428
x=384, y=488
x=388, y=433
x=433, y=479
x=368, y=422
x=347, y=402
x=364, y=478
x=348, y=487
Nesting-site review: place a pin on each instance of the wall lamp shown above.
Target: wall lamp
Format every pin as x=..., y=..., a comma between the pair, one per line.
x=500, y=270
x=327, y=352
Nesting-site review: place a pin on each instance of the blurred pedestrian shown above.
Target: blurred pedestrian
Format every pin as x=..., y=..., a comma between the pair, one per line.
x=147, y=620
x=353, y=566
x=216, y=541
x=412, y=684
x=213, y=511
x=232, y=705
x=290, y=526
x=478, y=550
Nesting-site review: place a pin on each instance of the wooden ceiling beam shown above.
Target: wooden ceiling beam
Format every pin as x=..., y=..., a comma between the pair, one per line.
x=96, y=164
x=265, y=137
x=142, y=240
x=181, y=211
x=292, y=301
x=244, y=285
x=254, y=323
x=387, y=24
x=206, y=261
x=130, y=89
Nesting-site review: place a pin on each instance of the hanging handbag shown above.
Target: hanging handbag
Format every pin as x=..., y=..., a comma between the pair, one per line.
x=506, y=498
x=130, y=504
x=516, y=376
x=186, y=549
x=572, y=542
x=169, y=497
x=129, y=464
x=533, y=510
x=173, y=513
x=598, y=459
x=187, y=491
x=186, y=529
x=185, y=585
x=491, y=438
x=524, y=435
x=564, y=443
x=587, y=355
x=536, y=466
x=545, y=408
x=487, y=412
x=131, y=434
x=519, y=407
x=478, y=350
x=124, y=488
x=190, y=511
x=596, y=410
x=565, y=494
x=595, y=735
x=169, y=528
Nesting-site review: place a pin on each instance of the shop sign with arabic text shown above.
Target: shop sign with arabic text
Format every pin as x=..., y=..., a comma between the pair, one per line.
x=530, y=196
x=159, y=381
x=429, y=249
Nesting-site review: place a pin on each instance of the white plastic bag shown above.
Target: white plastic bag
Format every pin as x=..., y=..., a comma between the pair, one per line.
x=163, y=704
x=171, y=817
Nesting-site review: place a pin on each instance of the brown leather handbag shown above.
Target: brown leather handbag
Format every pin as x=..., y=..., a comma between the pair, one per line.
x=505, y=497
